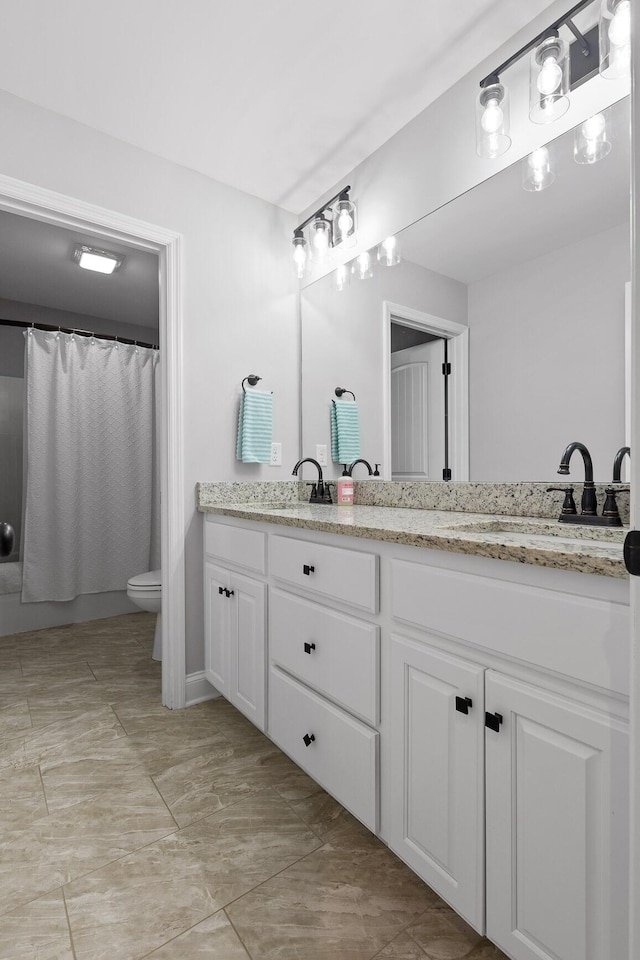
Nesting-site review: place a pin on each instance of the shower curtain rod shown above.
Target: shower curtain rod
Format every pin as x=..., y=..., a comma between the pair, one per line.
x=81, y=333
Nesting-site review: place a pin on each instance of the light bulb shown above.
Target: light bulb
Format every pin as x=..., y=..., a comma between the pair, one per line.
x=345, y=222
x=620, y=26
x=342, y=277
x=299, y=259
x=493, y=117
x=320, y=241
x=550, y=77
x=594, y=127
x=362, y=266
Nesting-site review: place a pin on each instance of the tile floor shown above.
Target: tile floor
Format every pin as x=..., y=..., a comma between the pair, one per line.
x=132, y=831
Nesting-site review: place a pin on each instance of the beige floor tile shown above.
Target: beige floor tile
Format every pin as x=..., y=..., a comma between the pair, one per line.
x=133, y=906
x=36, y=931
x=10, y=663
x=159, y=752
x=213, y=939
x=486, y=951
x=73, y=737
x=339, y=903
x=15, y=719
x=22, y=798
x=443, y=935
x=327, y=818
x=74, y=840
x=221, y=776
x=402, y=947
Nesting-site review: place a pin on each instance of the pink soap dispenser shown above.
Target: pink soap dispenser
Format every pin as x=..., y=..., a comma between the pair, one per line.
x=344, y=486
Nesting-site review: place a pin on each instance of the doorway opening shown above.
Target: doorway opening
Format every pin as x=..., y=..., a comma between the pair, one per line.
x=106, y=226
x=425, y=380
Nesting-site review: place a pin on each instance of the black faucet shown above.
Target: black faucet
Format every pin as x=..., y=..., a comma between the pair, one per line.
x=589, y=504
x=349, y=472
x=617, y=463
x=320, y=493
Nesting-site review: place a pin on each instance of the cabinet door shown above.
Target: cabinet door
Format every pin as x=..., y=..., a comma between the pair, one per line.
x=436, y=769
x=216, y=627
x=247, y=648
x=557, y=827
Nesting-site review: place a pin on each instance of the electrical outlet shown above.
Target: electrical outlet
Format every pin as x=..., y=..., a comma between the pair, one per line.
x=321, y=454
x=276, y=455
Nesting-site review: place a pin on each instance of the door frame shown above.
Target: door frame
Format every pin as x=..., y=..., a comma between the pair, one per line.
x=48, y=206
x=458, y=336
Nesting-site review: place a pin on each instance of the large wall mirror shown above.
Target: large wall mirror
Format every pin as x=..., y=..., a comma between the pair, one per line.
x=525, y=291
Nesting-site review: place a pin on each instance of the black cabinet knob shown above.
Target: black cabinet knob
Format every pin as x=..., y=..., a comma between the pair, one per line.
x=220, y=590
x=463, y=704
x=306, y=569
x=493, y=721
x=308, y=647
x=308, y=739
x=230, y=593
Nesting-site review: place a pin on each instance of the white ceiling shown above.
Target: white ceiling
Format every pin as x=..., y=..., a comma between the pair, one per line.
x=498, y=224
x=280, y=98
x=36, y=266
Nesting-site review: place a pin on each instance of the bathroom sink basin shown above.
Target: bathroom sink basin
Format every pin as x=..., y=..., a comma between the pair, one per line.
x=546, y=530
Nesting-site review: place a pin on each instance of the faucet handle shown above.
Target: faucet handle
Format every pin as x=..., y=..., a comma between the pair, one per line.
x=569, y=505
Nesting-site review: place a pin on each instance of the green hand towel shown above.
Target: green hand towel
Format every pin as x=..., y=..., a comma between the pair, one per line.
x=255, y=427
x=345, y=431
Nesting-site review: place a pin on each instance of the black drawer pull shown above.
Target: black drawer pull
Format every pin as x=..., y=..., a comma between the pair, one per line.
x=229, y=593
x=308, y=738
x=493, y=721
x=308, y=647
x=463, y=704
x=306, y=569
x=220, y=590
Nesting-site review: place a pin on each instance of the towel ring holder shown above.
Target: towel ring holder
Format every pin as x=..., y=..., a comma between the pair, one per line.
x=339, y=391
x=253, y=378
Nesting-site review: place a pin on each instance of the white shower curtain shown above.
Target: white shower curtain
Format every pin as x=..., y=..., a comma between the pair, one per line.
x=91, y=518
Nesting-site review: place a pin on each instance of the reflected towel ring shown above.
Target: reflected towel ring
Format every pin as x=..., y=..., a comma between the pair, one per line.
x=339, y=391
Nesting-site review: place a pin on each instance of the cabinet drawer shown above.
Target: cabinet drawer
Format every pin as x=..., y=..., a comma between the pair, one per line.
x=238, y=545
x=342, y=757
x=335, y=654
x=348, y=576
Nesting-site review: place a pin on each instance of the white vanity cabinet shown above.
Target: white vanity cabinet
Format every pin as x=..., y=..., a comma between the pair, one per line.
x=235, y=619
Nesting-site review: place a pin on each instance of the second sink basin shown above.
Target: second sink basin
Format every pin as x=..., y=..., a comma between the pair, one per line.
x=548, y=529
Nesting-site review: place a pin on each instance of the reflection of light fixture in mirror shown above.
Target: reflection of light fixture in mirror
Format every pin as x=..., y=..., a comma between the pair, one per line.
x=536, y=170
x=549, y=79
x=615, y=38
x=389, y=252
x=492, y=119
x=591, y=142
x=299, y=253
x=102, y=261
x=362, y=267
x=343, y=277
x=344, y=223
x=320, y=239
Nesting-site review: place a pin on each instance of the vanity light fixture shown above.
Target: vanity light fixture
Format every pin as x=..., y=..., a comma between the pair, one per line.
x=333, y=225
x=591, y=141
x=362, y=266
x=102, y=261
x=615, y=38
x=492, y=119
x=556, y=68
x=389, y=252
x=343, y=277
x=549, y=79
x=537, y=173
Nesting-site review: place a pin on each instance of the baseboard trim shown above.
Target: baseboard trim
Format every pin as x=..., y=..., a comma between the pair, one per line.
x=198, y=689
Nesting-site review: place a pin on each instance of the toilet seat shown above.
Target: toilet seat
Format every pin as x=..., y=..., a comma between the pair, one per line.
x=150, y=582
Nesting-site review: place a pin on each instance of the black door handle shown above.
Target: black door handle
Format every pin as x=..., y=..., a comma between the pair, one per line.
x=306, y=569
x=463, y=704
x=308, y=738
x=308, y=647
x=493, y=721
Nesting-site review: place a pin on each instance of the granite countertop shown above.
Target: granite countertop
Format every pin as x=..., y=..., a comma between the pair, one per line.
x=534, y=540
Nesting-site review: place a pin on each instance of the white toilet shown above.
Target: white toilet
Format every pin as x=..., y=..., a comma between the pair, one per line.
x=145, y=590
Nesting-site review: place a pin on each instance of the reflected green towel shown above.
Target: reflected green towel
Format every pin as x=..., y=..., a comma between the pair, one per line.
x=345, y=431
x=255, y=427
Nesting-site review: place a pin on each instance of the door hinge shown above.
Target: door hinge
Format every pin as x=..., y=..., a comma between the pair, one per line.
x=446, y=369
x=632, y=552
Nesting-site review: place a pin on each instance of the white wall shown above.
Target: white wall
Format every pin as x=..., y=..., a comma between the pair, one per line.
x=547, y=361
x=433, y=159
x=342, y=346
x=239, y=299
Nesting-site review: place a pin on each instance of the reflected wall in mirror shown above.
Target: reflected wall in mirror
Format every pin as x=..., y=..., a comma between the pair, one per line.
x=538, y=279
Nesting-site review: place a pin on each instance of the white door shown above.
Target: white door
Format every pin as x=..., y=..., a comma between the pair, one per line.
x=247, y=648
x=217, y=611
x=557, y=826
x=437, y=772
x=417, y=412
